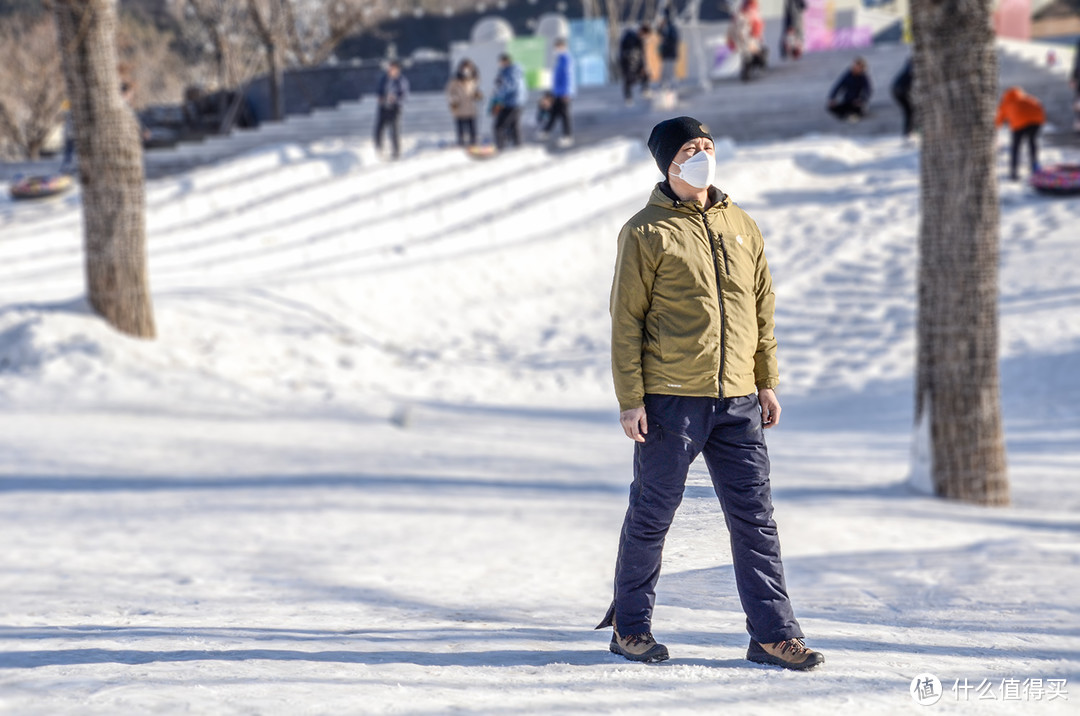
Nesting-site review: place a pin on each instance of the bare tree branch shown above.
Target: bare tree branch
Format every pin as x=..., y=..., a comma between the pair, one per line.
x=31, y=84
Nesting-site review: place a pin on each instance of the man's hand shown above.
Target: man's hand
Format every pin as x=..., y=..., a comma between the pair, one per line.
x=770, y=408
x=635, y=425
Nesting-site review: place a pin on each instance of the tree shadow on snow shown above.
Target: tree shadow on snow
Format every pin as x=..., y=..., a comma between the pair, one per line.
x=391, y=482
x=492, y=658
x=438, y=637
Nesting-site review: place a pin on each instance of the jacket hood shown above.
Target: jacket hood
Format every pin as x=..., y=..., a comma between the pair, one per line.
x=663, y=196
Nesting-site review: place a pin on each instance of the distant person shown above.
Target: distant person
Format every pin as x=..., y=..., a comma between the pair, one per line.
x=462, y=94
x=392, y=90
x=746, y=35
x=508, y=101
x=654, y=65
x=791, y=34
x=69, y=138
x=543, y=108
x=1075, y=82
x=128, y=94
x=901, y=92
x=693, y=357
x=1025, y=116
x=669, y=47
x=850, y=96
x=562, y=91
x=632, y=61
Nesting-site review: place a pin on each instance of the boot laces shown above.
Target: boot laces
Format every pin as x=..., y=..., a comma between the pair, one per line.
x=638, y=639
x=796, y=646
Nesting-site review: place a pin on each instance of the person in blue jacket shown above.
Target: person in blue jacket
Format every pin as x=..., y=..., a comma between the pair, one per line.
x=562, y=90
x=507, y=101
x=392, y=90
x=850, y=96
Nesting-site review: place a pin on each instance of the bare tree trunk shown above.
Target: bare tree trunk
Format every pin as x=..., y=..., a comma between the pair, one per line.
x=110, y=166
x=277, y=82
x=957, y=387
x=268, y=20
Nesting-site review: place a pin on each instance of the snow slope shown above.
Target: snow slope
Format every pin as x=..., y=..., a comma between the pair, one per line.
x=372, y=464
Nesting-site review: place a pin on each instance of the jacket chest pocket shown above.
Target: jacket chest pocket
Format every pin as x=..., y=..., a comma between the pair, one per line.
x=740, y=262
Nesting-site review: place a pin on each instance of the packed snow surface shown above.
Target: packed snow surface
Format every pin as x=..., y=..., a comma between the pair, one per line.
x=372, y=463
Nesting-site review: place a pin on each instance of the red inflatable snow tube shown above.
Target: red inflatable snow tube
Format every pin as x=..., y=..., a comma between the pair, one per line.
x=1059, y=180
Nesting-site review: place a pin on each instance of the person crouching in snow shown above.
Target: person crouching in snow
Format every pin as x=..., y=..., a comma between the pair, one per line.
x=694, y=362
x=1025, y=116
x=850, y=96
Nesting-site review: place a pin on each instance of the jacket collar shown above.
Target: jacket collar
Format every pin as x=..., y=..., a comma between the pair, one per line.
x=663, y=195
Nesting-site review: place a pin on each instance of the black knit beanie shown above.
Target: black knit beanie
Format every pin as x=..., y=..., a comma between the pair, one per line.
x=668, y=137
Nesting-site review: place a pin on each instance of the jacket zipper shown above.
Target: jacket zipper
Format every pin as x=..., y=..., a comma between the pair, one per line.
x=715, y=241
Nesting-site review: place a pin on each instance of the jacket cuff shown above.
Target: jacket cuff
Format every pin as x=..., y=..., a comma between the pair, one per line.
x=768, y=383
x=630, y=404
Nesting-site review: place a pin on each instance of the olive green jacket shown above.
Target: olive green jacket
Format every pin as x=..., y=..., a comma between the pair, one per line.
x=692, y=303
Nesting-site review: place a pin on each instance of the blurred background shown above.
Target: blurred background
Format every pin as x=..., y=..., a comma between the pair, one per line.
x=371, y=462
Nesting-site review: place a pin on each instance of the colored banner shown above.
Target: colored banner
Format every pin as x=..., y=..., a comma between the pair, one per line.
x=530, y=53
x=821, y=30
x=1013, y=19
x=588, y=45
x=818, y=22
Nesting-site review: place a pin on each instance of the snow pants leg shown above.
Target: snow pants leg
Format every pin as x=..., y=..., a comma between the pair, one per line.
x=729, y=433
x=1030, y=135
x=908, y=111
x=389, y=118
x=466, y=131
x=560, y=111
x=506, y=127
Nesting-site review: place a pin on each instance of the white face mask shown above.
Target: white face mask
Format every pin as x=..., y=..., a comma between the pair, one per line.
x=698, y=171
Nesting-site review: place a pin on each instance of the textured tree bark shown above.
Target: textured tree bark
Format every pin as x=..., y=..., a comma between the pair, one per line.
x=110, y=166
x=957, y=385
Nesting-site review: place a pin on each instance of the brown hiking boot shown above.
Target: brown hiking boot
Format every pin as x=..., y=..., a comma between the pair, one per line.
x=790, y=654
x=638, y=647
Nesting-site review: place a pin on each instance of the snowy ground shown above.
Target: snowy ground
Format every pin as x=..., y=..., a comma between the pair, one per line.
x=372, y=465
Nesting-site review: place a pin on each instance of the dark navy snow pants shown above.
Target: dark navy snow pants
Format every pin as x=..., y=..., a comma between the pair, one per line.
x=728, y=432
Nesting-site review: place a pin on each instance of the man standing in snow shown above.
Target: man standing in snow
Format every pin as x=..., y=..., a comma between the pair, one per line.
x=692, y=338
x=393, y=89
x=562, y=89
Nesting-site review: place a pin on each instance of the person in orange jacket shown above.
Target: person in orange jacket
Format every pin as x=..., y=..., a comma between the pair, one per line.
x=1025, y=116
